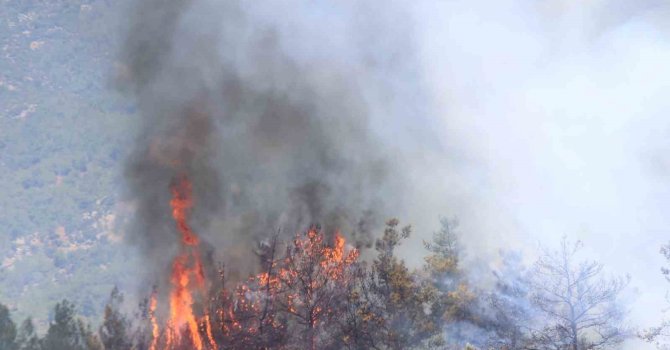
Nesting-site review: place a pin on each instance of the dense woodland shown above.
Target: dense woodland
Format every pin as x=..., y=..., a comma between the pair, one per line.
x=561, y=302
x=60, y=184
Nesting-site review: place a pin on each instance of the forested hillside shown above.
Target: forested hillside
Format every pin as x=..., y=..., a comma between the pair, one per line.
x=274, y=125
x=63, y=136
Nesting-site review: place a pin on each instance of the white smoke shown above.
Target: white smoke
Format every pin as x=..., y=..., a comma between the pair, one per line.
x=554, y=122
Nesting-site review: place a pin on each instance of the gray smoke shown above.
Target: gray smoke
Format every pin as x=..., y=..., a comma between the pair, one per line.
x=551, y=119
x=269, y=109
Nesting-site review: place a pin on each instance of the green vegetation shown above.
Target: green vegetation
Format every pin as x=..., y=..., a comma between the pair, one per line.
x=63, y=136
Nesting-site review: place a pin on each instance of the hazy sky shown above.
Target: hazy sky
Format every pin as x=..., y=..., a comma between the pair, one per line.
x=553, y=120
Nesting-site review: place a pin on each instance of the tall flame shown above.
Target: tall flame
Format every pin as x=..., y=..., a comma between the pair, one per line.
x=281, y=287
x=187, y=275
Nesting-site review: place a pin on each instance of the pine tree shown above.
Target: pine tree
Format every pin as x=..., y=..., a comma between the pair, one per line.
x=27, y=339
x=89, y=338
x=445, y=254
x=314, y=277
x=66, y=332
x=456, y=306
x=7, y=329
x=393, y=298
x=114, y=329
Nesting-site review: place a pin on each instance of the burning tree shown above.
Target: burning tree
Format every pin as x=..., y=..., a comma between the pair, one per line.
x=287, y=305
x=308, y=298
x=248, y=317
x=183, y=329
x=313, y=286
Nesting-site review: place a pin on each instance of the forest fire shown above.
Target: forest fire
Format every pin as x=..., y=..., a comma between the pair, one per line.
x=187, y=278
x=301, y=285
x=208, y=153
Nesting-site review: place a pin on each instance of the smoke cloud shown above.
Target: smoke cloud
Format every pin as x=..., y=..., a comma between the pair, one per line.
x=525, y=120
x=275, y=113
x=554, y=123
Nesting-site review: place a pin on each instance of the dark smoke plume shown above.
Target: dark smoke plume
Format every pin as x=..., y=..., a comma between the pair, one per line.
x=267, y=108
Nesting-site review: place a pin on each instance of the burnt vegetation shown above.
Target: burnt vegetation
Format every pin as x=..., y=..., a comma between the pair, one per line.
x=316, y=292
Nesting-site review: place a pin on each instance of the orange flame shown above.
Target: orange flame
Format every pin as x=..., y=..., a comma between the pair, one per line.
x=278, y=286
x=181, y=203
x=154, y=325
x=187, y=276
x=181, y=300
x=208, y=330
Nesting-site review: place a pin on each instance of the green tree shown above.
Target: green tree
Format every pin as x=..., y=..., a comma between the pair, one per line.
x=7, y=329
x=114, y=329
x=27, y=339
x=456, y=305
x=395, y=300
x=90, y=339
x=67, y=332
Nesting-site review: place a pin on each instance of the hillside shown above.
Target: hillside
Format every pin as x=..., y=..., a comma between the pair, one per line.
x=63, y=136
